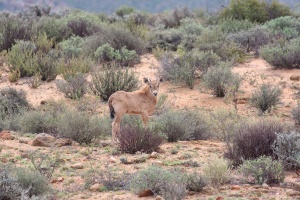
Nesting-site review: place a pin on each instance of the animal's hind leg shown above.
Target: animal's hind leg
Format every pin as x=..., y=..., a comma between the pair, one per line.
x=116, y=128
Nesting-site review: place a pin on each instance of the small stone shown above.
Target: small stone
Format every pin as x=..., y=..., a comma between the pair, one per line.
x=154, y=155
x=6, y=135
x=145, y=193
x=60, y=179
x=112, y=159
x=43, y=140
x=160, y=150
x=265, y=185
x=158, y=162
x=295, y=78
x=63, y=142
x=158, y=197
x=235, y=187
x=96, y=187
x=220, y=198
x=77, y=166
x=140, y=159
x=23, y=141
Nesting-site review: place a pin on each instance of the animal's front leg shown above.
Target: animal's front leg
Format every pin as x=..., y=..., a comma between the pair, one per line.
x=144, y=116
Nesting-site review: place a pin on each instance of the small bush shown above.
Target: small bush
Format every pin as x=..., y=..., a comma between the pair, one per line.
x=231, y=26
x=287, y=27
x=263, y=170
x=220, y=79
x=216, y=171
x=196, y=182
x=287, y=148
x=111, y=180
x=266, y=97
x=282, y=54
x=72, y=47
x=81, y=127
x=170, y=184
x=73, y=66
x=74, y=87
x=134, y=137
x=251, y=39
x=183, y=125
x=254, y=139
x=165, y=39
x=34, y=82
x=106, y=83
x=296, y=114
x=12, y=102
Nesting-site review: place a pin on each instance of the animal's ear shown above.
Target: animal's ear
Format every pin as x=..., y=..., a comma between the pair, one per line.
x=146, y=80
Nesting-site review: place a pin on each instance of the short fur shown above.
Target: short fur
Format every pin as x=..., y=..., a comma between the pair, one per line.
x=140, y=102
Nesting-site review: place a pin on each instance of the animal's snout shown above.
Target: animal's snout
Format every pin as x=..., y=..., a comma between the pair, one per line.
x=155, y=93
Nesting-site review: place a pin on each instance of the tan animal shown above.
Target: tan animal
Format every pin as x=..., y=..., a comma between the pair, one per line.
x=137, y=102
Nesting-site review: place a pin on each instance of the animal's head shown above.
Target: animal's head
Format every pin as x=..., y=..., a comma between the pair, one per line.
x=154, y=85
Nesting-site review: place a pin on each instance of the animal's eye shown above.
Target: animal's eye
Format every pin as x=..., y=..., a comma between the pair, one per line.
x=150, y=86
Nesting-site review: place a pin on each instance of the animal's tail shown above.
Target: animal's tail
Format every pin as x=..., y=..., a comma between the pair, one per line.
x=111, y=108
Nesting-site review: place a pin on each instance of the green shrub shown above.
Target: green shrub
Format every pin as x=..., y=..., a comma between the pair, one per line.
x=263, y=170
x=165, y=39
x=91, y=43
x=74, y=87
x=255, y=10
x=287, y=27
x=251, y=39
x=231, y=26
x=216, y=172
x=254, y=139
x=183, y=125
x=124, y=10
x=265, y=97
x=170, y=184
x=47, y=65
x=82, y=127
x=71, y=67
x=287, y=148
x=196, y=182
x=220, y=79
x=106, y=83
x=72, y=47
x=12, y=102
x=282, y=54
x=134, y=137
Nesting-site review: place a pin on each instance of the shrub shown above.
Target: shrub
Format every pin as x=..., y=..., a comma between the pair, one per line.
x=165, y=39
x=72, y=47
x=74, y=87
x=73, y=66
x=108, y=177
x=220, y=79
x=255, y=10
x=216, y=171
x=196, y=182
x=12, y=102
x=47, y=65
x=265, y=97
x=287, y=27
x=282, y=54
x=254, y=139
x=251, y=39
x=231, y=26
x=183, y=125
x=296, y=114
x=13, y=28
x=170, y=184
x=287, y=148
x=111, y=80
x=81, y=127
x=34, y=82
x=124, y=10
x=263, y=170
x=134, y=137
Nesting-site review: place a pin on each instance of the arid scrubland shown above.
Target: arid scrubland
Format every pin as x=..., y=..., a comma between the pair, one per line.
x=226, y=122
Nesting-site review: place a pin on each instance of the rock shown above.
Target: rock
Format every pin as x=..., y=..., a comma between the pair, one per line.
x=220, y=198
x=158, y=198
x=23, y=141
x=112, y=159
x=140, y=159
x=125, y=161
x=145, y=193
x=154, y=155
x=43, y=140
x=295, y=78
x=160, y=150
x=63, y=142
x=264, y=185
x=96, y=187
x=235, y=187
x=60, y=179
x=6, y=135
x=77, y=166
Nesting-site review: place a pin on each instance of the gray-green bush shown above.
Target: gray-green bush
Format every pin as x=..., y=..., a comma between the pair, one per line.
x=263, y=170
